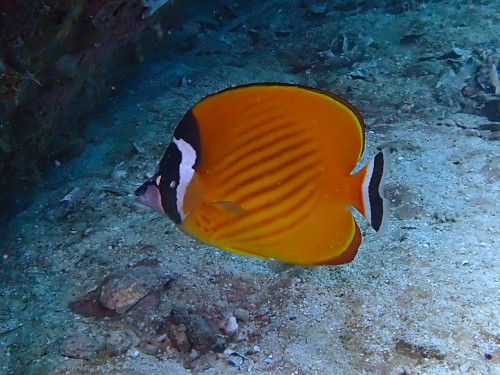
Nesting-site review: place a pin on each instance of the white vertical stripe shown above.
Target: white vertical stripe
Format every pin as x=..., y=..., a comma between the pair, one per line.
x=366, y=193
x=186, y=173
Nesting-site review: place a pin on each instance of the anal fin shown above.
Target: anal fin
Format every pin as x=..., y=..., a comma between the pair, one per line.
x=348, y=255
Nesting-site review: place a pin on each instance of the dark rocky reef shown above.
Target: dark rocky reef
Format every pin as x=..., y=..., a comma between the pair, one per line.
x=59, y=60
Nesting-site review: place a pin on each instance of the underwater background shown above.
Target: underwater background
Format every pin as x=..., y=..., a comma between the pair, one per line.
x=94, y=283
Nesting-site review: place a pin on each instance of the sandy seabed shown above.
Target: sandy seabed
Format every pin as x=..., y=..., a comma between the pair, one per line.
x=423, y=298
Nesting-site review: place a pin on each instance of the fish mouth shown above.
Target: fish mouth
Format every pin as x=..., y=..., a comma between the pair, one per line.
x=141, y=190
x=149, y=195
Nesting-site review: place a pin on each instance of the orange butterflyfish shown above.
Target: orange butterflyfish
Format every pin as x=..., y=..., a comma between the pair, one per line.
x=266, y=170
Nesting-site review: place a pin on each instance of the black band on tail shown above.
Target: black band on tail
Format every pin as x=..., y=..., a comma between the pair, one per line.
x=377, y=206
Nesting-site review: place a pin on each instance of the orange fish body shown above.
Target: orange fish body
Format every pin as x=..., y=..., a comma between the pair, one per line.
x=265, y=170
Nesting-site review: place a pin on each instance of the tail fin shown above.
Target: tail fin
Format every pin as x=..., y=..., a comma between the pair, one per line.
x=375, y=205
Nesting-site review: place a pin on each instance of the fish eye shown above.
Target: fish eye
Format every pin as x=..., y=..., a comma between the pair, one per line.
x=173, y=184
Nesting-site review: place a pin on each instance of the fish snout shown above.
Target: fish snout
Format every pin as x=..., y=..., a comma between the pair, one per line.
x=149, y=195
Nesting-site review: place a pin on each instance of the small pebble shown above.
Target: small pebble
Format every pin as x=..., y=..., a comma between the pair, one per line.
x=229, y=326
x=234, y=358
x=253, y=350
x=465, y=367
x=269, y=360
x=236, y=361
x=133, y=352
x=58, y=211
x=151, y=349
x=242, y=315
x=161, y=338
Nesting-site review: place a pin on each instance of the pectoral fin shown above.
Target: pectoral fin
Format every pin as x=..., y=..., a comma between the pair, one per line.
x=230, y=207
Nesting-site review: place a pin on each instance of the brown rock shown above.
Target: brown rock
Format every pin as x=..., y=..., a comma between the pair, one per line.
x=492, y=110
x=123, y=291
x=121, y=294
x=119, y=341
x=81, y=346
x=242, y=314
x=199, y=333
x=177, y=336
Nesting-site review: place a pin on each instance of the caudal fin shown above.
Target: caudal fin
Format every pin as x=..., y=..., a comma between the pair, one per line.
x=375, y=205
